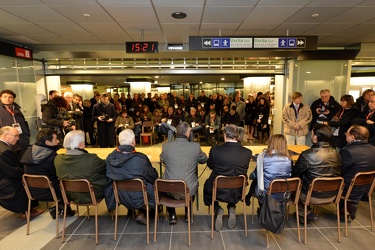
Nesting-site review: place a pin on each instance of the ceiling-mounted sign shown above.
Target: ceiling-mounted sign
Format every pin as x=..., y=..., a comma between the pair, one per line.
x=8, y=49
x=238, y=43
x=23, y=53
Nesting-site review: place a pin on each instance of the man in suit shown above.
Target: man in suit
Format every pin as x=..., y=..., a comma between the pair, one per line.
x=181, y=159
x=357, y=156
x=12, y=193
x=230, y=159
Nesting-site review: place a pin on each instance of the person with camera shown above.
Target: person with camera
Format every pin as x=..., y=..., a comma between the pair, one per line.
x=124, y=121
x=105, y=114
x=324, y=109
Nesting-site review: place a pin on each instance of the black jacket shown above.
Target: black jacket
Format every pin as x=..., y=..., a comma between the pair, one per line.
x=333, y=107
x=343, y=122
x=361, y=120
x=357, y=156
x=321, y=160
x=124, y=163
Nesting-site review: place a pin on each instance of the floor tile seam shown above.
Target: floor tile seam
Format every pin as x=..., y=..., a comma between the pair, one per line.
x=120, y=237
x=273, y=237
x=364, y=228
x=222, y=240
x=325, y=236
x=68, y=238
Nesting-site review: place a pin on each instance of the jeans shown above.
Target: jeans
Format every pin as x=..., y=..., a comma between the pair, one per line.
x=167, y=129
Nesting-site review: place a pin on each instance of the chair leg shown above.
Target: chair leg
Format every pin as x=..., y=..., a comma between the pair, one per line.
x=28, y=217
x=212, y=220
x=305, y=223
x=371, y=214
x=64, y=223
x=244, y=217
x=298, y=228
x=57, y=220
x=267, y=241
x=189, y=222
x=346, y=217
x=148, y=224
x=88, y=212
x=156, y=220
x=338, y=221
x=96, y=225
x=252, y=206
x=116, y=214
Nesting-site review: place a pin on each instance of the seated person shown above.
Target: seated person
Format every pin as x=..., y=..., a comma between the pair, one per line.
x=124, y=163
x=38, y=160
x=137, y=124
x=276, y=164
x=181, y=159
x=357, y=156
x=194, y=121
x=169, y=122
x=321, y=160
x=232, y=117
x=77, y=163
x=124, y=121
x=212, y=129
x=12, y=193
x=230, y=159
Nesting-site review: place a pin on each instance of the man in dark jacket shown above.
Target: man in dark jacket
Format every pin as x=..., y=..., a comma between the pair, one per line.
x=321, y=160
x=12, y=193
x=11, y=115
x=357, y=156
x=38, y=160
x=324, y=108
x=367, y=119
x=169, y=122
x=229, y=159
x=125, y=163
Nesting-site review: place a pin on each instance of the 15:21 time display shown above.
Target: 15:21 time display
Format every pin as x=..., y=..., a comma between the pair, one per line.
x=141, y=47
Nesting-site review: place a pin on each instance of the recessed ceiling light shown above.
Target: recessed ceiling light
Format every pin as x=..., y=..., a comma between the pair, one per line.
x=86, y=15
x=222, y=78
x=308, y=72
x=315, y=15
x=179, y=15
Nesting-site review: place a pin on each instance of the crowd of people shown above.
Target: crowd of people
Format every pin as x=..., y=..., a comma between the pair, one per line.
x=342, y=136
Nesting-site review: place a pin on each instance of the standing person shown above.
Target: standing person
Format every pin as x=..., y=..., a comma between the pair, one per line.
x=12, y=193
x=324, y=108
x=53, y=116
x=230, y=159
x=250, y=116
x=240, y=107
x=174, y=101
x=11, y=115
x=105, y=113
x=321, y=160
x=204, y=101
x=74, y=111
x=116, y=101
x=125, y=163
x=88, y=124
x=296, y=118
x=357, y=156
x=181, y=159
x=342, y=121
x=95, y=99
x=262, y=113
x=367, y=119
x=219, y=104
x=38, y=160
x=77, y=163
x=275, y=163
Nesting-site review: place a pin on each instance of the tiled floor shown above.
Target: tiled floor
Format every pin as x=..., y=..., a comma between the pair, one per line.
x=80, y=234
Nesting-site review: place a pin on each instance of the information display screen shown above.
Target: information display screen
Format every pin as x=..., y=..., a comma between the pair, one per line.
x=141, y=47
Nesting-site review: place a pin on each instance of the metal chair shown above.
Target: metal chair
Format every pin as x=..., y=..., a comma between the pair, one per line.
x=222, y=181
x=132, y=185
x=79, y=186
x=43, y=182
x=172, y=187
x=322, y=185
x=294, y=186
x=360, y=179
x=147, y=130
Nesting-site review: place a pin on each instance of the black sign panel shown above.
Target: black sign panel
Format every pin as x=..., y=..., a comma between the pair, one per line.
x=240, y=43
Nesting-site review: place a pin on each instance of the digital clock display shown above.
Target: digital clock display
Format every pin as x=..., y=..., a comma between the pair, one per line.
x=141, y=47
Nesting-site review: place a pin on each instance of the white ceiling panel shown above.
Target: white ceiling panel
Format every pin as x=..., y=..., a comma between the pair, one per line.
x=36, y=14
x=290, y=3
x=265, y=27
x=226, y=14
x=355, y=15
x=178, y=3
x=193, y=14
x=292, y=28
x=136, y=28
x=4, y=32
x=75, y=13
x=51, y=39
x=327, y=28
x=361, y=29
x=334, y=3
x=231, y=3
x=180, y=28
x=28, y=29
x=21, y=40
x=83, y=39
x=342, y=38
x=368, y=3
x=70, y=2
x=305, y=15
x=20, y=3
x=63, y=28
x=6, y=18
x=273, y=14
x=124, y=3
x=227, y=29
x=132, y=14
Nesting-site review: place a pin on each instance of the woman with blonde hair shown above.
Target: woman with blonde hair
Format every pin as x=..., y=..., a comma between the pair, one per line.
x=275, y=163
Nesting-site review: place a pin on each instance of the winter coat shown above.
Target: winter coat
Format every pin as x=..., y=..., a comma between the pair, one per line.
x=289, y=119
x=125, y=163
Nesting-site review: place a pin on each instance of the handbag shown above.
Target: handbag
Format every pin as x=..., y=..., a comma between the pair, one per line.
x=272, y=213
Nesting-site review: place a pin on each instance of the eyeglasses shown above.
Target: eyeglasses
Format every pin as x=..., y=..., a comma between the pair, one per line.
x=15, y=135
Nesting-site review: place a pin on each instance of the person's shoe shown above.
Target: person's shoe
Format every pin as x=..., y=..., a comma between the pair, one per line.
x=34, y=213
x=311, y=217
x=141, y=218
x=352, y=209
x=186, y=218
x=172, y=219
x=219, y=219
x=232, y=217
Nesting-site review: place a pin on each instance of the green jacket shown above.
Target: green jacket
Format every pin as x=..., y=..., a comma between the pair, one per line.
x=79, y=164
